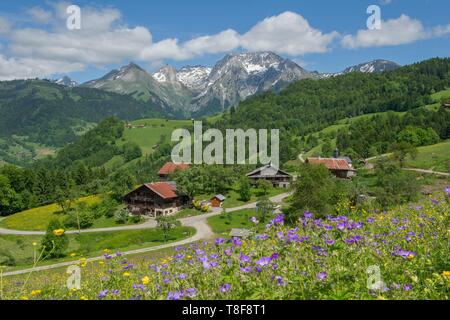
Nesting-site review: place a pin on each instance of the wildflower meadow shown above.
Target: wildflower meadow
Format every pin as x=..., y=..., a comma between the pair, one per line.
x=400, y=254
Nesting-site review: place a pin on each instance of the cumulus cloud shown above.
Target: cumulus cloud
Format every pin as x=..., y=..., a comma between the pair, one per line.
x=402, y=30
x=26, y=68
x=288, y=33
x=104, y=39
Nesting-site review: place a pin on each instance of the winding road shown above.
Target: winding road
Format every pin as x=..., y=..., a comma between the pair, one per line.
x=199, y=223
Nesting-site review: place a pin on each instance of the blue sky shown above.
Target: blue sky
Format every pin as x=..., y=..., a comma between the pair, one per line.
x=32, y=29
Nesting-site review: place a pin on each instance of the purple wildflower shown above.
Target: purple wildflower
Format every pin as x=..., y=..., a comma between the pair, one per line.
x=244, y=258
x=307, y=215
x=246, y=269
x=261, y=236
x=322, y=275
x=225, y=287
x=182, y=276
x=407, y=287
x=102, y=294
x=279, y=280
x=175, y=295
x=236, y=241
x=341, y=226
x=190, y=292
x=219, y=241
x=264, y=261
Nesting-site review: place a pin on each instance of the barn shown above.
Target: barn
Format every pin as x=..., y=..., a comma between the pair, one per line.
x=278, y=178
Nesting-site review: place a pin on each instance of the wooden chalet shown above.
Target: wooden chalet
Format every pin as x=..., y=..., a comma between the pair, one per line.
x=218, y=200
x=156, y=199
x=277, y=177
x=341, y=168
x=170, y=168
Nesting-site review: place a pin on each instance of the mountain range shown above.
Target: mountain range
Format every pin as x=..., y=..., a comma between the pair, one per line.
x=200, y=90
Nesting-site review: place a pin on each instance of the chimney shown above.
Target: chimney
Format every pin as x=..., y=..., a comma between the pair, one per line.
x=336, y=153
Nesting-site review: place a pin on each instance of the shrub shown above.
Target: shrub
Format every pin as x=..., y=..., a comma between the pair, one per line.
x=121, y=215
x=55, y=241
x=136, y=219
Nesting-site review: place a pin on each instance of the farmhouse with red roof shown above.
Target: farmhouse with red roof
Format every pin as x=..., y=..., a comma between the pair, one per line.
x=341, y=168
x=169, y=168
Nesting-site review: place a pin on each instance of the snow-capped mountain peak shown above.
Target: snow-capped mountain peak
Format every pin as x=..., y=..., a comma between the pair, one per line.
x=66, y=81
x=166, y=74
x=375, y=66
x=194, y=77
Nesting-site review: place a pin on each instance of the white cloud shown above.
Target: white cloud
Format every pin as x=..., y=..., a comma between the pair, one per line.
x=26, y=68
x=402, y=30
x=288, y=33
x=40, y=15
x=104, y=39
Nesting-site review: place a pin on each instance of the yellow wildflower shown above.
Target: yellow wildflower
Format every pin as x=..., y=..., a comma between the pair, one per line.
x=106, y=251
x=446, y=274
x=73, y=254
x=145, y=280
x=36, y=292
x=410, y=256
x=34, y=244
x=101, y=263
x=58, y=232
x=24, y=298
x=126, y=274
x=84, y=298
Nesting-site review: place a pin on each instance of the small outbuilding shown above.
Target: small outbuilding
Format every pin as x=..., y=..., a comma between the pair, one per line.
x=217, y=200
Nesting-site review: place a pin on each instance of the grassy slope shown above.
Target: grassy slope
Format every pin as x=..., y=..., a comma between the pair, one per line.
x=435, y=157
x=38, y=218
x=149, y=136
x=146, y=137
x=222, y=224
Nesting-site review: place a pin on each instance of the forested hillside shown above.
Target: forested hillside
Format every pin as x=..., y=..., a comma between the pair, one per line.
x=308, y=106
x=54, y=115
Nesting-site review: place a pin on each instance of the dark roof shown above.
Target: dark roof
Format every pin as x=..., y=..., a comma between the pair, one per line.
x=331, y=163
x=279, y=172
x=170, y=167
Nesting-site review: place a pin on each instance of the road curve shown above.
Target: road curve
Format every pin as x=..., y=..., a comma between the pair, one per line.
x=199, y=223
